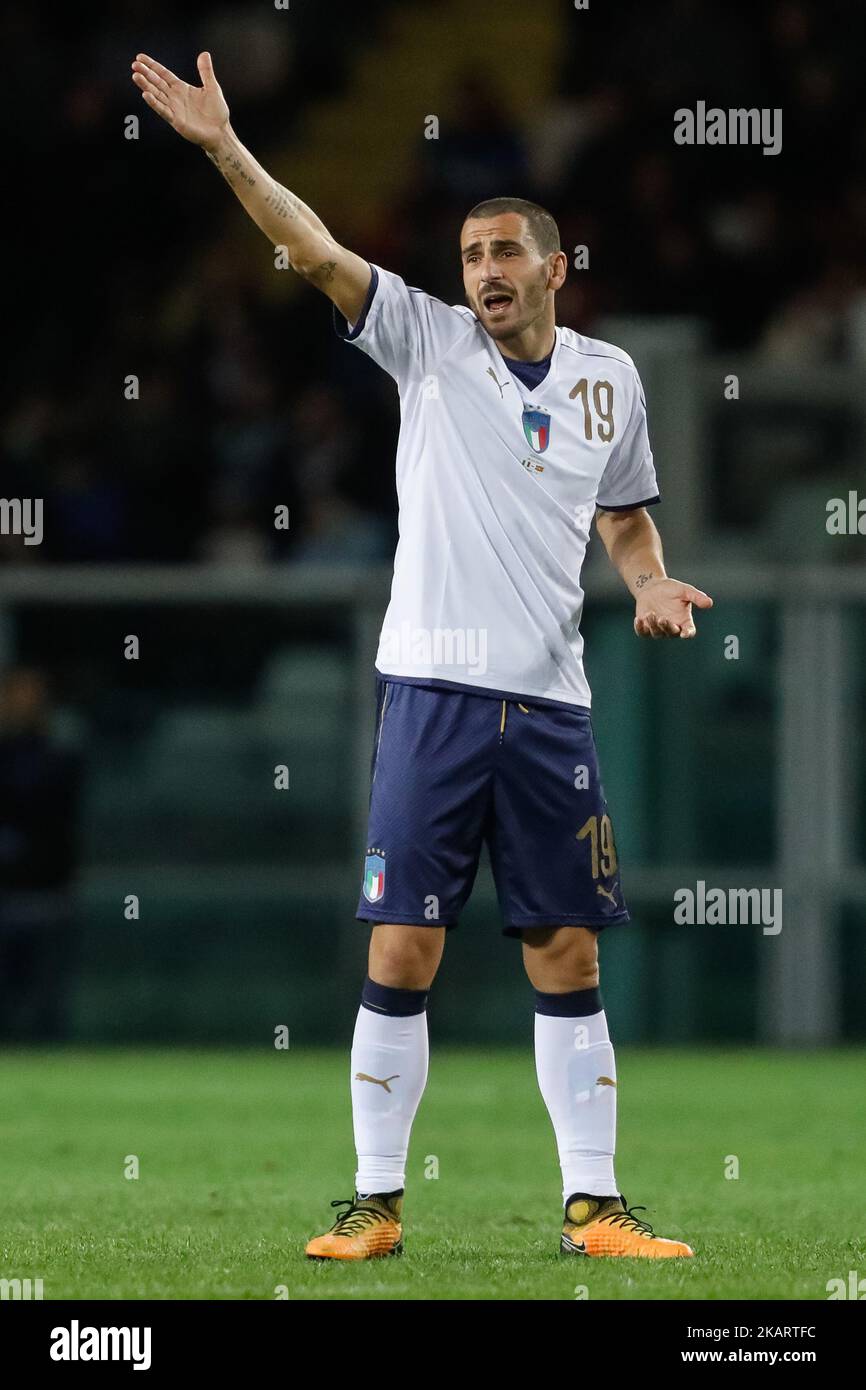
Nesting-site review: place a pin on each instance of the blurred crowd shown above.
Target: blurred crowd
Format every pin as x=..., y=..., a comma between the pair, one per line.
x=246, y=404
x=40, y=795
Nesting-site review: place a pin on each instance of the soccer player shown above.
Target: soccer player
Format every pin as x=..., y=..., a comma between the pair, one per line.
x=514, y=433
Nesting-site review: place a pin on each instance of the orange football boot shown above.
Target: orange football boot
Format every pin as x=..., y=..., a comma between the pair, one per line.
x=368, y=1229
x=606, y=1226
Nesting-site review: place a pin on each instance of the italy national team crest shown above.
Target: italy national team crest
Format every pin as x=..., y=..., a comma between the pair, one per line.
x=374, y=875
x=536, y=427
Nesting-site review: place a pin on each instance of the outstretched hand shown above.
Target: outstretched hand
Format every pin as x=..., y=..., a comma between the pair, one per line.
x=199, y=114
x=664, y=608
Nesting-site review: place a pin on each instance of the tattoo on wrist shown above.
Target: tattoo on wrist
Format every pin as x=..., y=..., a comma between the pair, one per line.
x=643, y=579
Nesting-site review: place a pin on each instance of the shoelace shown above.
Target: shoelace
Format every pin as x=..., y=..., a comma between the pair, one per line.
x=355, y=1218
x=625, y=1219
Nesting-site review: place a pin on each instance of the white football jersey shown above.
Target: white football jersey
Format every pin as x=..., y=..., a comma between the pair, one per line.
x=497, y=486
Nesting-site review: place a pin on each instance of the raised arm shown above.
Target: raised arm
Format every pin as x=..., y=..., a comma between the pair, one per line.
x=201, y=115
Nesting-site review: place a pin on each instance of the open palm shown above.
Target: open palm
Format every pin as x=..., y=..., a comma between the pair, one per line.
x=199, y=114
x=664, y=608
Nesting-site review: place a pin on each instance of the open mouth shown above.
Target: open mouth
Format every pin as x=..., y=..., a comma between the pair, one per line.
x=496, y=303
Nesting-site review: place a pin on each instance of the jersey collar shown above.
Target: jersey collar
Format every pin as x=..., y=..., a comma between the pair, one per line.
x=537, y=393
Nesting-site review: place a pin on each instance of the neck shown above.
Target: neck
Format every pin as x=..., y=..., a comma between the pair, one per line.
x=532, y=344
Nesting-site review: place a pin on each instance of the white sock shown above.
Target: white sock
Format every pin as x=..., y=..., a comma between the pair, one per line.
x=394, y=1050
x=571, y=1054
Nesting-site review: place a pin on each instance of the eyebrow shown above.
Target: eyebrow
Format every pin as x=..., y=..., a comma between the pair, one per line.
x=495, y=246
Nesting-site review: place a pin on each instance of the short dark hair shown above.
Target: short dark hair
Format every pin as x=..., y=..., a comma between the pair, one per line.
x=542, y=226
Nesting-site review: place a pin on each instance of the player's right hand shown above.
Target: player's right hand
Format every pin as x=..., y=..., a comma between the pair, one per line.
x=199, y=114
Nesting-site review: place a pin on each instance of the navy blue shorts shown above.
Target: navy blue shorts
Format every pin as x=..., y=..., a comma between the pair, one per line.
x=453, y=769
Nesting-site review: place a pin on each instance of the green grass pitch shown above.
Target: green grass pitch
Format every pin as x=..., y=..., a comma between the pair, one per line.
x=240, y=1152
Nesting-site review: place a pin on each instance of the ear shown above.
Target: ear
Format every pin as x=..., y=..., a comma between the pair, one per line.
x=558, y=270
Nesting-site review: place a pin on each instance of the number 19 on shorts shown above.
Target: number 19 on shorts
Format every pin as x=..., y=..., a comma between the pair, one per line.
x=599, y=831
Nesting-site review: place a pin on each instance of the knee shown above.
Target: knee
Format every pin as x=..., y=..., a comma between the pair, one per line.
x=405, y=957
x=579, y=970
x=586, y=976
x=563, y=961
x=586, y=963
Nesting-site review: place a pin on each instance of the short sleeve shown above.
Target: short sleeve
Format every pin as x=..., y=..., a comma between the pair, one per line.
x=629, y=478
x=401, y=328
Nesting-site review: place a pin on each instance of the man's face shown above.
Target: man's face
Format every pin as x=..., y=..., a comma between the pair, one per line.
x=505, y=277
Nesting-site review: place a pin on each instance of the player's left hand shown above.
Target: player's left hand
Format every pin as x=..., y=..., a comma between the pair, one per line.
x=664, y=608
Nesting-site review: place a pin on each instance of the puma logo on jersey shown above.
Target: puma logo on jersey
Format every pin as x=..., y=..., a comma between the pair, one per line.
x=501, y=384
x=605, y=1081
x=605, y=892
x=362, y=1076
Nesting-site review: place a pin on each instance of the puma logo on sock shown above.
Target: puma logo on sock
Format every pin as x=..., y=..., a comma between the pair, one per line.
x=362, y=1076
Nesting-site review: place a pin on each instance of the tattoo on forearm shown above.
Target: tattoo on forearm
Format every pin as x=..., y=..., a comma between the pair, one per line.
x=230, y=166
x=241, y=172
x=643, y=579
x=282, y=202
x=219, y=162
